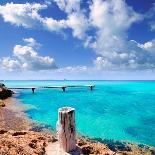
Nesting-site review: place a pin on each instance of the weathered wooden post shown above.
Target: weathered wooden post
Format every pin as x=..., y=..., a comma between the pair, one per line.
x=66, y=129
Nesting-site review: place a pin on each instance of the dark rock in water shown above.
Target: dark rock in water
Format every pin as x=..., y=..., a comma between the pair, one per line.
x=118, y=146
x=41, y=127
x=5, y=92
x=115, y=145
x=132, y=130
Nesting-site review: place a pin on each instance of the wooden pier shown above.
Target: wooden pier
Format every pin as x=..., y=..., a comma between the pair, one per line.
x=55, y=87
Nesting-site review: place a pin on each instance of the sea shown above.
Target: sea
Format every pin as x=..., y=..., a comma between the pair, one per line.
x=114, y=110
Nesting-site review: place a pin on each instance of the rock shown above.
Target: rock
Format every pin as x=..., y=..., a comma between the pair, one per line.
x=32, y=145
x=18, y=133
x=81, y=142
x=23, y=142
x=87, y=150
x=2, y=104
x=4, y=92
x=88, y=146
x=3, y=131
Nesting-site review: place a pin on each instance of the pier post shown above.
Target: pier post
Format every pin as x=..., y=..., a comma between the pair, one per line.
x=66, y=129
x=91, y=88
x=63, y=88
x=33, y=90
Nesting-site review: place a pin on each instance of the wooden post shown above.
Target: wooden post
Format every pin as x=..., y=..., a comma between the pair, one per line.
x=33, y=90
x=66, y=129
x=63, y=88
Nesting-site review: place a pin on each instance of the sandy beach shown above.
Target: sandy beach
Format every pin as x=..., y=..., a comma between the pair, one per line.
x=12, y=116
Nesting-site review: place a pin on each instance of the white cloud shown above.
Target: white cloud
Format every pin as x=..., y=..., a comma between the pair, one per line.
x=103, y=27
x=73, y=69
x=121, y=16
x=76, y=19
x=69, y=5
x=28, y=16
x=138, y=56
x=25, y=15
x=112, y=20
x=27, y=58
x=31, y=42
x=9, y=63
x=149, y=46
x=78, y=23
x=101, y=63
x=54, y=25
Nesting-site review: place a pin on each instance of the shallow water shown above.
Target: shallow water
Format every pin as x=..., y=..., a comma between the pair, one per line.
x=118, y=110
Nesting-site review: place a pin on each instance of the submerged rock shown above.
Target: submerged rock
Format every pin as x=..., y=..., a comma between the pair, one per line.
x=5, y=92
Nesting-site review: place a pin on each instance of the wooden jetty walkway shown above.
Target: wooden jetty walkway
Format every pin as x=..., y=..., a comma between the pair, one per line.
x=55, y=87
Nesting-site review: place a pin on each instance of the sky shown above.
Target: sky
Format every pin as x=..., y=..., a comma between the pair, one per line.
x=77, y=39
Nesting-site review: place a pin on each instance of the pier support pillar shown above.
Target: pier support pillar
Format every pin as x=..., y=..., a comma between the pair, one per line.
x=33, y=90
x=64, y=89
x=66, y=129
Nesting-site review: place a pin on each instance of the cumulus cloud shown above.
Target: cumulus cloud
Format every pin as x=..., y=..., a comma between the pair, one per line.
x=27, y=58
x=9, y=63
x=138, y=56
x=25, y=15
x=78, y=23
x=76, y=19
x=112, y=19
x=28, y=16
x=31, y=42
x=68, y=5
x=149, y=46
x=102, y=27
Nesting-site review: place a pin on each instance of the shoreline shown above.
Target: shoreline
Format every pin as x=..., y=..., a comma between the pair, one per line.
x=14, y=119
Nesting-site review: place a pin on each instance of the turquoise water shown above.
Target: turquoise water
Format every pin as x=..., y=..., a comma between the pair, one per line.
x=118, y=110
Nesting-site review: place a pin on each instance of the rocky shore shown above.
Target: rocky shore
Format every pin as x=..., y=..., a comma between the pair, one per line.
x=19, y=135
x=35, y=143
x=23, y=142
x=4, y=92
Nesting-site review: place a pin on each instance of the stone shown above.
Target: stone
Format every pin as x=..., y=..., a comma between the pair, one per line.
x=2, y=104
x=5, y=92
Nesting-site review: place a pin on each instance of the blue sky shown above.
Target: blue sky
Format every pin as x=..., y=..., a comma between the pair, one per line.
x=77, y=39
